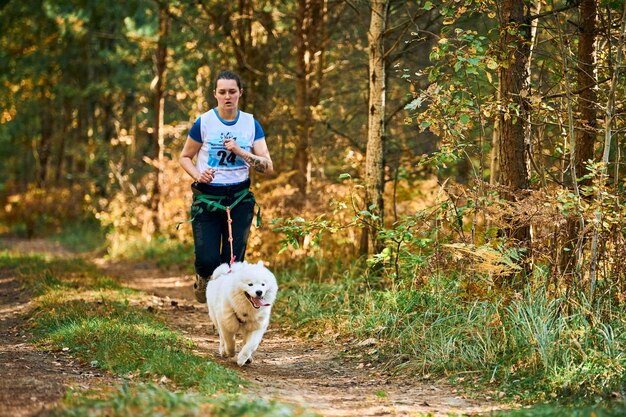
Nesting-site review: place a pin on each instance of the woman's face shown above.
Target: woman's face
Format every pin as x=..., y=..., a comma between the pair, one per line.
x=227, y=94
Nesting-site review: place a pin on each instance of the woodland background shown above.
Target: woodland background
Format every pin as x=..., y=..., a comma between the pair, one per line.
x=471, y=148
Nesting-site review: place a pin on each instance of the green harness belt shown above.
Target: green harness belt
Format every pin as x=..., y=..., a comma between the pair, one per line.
x=212, y=203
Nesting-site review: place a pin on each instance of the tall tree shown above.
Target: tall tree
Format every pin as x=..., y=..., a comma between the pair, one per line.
x=587, y=96
x=46, y=131
x=310, y=40
x=587, y=121
x=512, y=121
x=158, y=86
x=374, y=163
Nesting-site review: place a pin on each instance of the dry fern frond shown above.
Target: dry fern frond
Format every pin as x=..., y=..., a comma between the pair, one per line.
x=485, y=259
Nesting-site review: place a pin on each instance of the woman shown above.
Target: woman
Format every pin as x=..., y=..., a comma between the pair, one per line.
x=225, y=142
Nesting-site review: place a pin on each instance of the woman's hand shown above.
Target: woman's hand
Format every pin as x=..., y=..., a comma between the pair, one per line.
x=206, y=176
x=232, y=146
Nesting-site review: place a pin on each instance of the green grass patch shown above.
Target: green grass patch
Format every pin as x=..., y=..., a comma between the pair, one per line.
x=43, y=275
x=91, y=315
x=166, y=252
x=125, y=340
x=615, y=409
x=81, y=237
x=150, y=400
x=138, y=400
x=28, y=266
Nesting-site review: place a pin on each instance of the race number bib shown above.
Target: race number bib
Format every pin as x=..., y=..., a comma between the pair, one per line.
x=222, y=158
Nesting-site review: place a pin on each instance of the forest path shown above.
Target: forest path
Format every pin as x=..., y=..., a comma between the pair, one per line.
x=295, y=370
x=285, y=368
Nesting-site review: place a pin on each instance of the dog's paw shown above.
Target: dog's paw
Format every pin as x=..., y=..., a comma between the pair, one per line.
x=244, y=359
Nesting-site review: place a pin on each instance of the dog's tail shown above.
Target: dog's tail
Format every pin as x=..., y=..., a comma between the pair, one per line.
x=220, y=270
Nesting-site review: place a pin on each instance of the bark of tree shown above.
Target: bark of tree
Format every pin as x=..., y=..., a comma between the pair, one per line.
x=588, y=123
x=159, y=101
x=374, y=158
x=494, y=168
x=44, y=148
x=302, y=110
x=515, y=46
x=586, y=74
x=60, y=158
x=310, y=39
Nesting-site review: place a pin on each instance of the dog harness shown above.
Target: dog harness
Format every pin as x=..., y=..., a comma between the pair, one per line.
x=212, y=203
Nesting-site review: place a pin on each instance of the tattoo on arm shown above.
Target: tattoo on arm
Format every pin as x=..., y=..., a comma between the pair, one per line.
x=259, y=163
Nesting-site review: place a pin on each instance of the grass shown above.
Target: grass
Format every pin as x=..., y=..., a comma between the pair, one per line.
x=166, y=252
x=132, y=400
x=127, y=341
x=100, y=323
x=534, y=347
x=81, y=237
x=616, y=409
x=151, y=400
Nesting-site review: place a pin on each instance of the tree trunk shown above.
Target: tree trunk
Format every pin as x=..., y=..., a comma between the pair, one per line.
x=60, y=159
x=310, y=39
x=586, y=133
x=514, y=38
x=302, y=110
x=374, y=163
x=588, y=123
x=494, y=169
x=159, y=101
x=44, y=150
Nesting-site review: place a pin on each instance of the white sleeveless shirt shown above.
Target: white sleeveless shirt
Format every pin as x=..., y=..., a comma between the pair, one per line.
x=229, y=168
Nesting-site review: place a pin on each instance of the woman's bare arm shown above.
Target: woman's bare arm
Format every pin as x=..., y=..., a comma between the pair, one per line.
x=259, y=158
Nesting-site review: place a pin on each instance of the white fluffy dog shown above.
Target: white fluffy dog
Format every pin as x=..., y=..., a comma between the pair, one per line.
x=240, y=301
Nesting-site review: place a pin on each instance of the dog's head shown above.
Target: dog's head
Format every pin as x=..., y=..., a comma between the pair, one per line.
x=256, y=282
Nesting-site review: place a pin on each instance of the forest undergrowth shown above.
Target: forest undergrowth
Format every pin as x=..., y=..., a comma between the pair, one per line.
x=531, y=346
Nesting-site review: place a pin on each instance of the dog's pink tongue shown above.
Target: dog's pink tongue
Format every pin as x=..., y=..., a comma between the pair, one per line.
x=259, y=302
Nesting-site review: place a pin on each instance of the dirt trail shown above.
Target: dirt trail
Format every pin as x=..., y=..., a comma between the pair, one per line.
x=284, y=368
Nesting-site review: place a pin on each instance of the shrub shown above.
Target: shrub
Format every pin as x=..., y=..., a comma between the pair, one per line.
x=42, y=210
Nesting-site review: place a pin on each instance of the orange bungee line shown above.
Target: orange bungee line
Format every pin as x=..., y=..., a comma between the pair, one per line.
x=230, y=237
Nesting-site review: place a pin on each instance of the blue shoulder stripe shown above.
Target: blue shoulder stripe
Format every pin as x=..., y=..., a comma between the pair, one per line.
x=194, y=132
x=258, y=131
